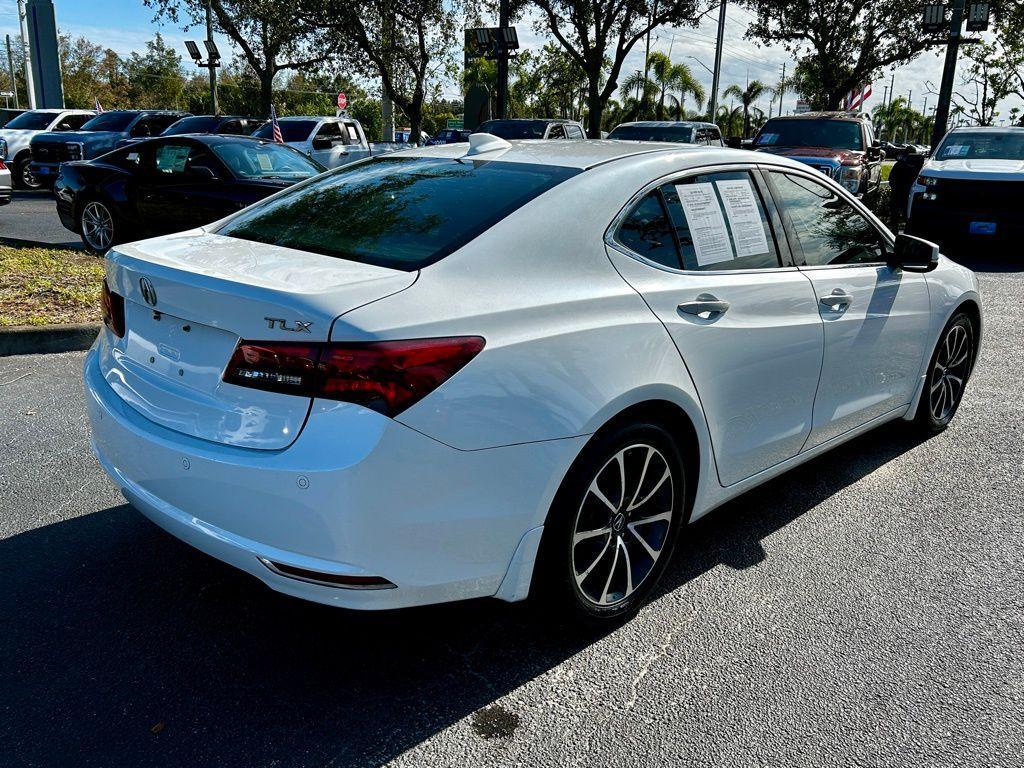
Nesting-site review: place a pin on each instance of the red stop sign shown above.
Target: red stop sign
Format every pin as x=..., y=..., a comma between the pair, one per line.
x=342, y=101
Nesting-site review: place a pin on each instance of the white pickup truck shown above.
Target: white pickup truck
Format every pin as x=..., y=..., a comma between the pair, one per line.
x=331, y=141
x=19, y=132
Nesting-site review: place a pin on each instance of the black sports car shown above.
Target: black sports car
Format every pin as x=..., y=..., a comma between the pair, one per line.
x=170, y=184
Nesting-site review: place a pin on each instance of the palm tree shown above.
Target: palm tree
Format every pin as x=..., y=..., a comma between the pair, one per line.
x=754, y=90
x=898, y=118
x=729, y=120
x=638, y=95
x=670, y=79
x=686, y=83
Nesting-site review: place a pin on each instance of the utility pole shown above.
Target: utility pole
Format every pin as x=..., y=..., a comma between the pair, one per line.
x=948, y=71
x=503, y=65
x=10, y=69
x=213, y=70
x=716, y=75
x=30, y=86
x=782, y=87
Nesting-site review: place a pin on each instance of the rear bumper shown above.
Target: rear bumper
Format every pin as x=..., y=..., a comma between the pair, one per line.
x=357, y=494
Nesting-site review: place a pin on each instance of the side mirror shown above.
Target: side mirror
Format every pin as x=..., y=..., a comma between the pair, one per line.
x=914, y=254
x=322, y=143
x=734, y=142
x=203, y=173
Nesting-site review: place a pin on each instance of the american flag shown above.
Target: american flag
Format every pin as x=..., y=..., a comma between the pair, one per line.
x=275, y=127
x=97, y=106
x=858, y=96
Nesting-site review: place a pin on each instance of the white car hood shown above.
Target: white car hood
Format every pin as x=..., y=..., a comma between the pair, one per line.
x=979, y=168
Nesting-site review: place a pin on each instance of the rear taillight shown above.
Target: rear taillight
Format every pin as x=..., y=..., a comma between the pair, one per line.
x=386, y=376
x=112, y=305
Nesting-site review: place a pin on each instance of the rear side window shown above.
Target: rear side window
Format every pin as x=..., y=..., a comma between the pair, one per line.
x=397, y=212
x=647, y=232
x=721, y=223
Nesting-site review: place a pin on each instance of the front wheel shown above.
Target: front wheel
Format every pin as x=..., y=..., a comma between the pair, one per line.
x=23, y=175
x=97, y=226
x=948, y=370
x=613, y=525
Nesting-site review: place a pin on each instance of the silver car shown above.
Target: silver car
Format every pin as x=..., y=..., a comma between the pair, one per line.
x=18, y=133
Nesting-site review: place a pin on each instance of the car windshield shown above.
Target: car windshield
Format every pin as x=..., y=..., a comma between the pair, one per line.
x=32, y=121
x=110, y=121
x=198, y=124
x=397, y=212
x=514, y=129
x=812, y=132
x=683, y=133
x=291, y=130
x=995, y=145
x=258, y=160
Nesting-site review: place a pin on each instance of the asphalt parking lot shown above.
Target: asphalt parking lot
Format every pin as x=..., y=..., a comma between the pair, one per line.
x=865, y=609
x=32, y=217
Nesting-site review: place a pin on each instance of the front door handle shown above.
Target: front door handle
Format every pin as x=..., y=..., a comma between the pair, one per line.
x=837, y=300
x=705, y=304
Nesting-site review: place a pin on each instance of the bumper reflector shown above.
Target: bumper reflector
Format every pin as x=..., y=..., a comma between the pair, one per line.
x=328, y=579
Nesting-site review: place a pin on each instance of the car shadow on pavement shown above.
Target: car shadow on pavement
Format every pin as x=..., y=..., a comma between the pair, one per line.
x=122, y=646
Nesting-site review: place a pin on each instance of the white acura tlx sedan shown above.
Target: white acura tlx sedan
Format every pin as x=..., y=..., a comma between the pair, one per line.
x=510, y=369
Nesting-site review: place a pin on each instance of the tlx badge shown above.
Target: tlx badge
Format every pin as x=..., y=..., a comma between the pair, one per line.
x=299, y=326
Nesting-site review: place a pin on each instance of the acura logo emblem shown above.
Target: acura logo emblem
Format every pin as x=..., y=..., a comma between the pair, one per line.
x=148, y=291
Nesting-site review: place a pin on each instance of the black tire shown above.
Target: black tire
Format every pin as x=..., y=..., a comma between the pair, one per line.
x=948, y=371
x=577, y=508
x=87, y=213
x=23, y=177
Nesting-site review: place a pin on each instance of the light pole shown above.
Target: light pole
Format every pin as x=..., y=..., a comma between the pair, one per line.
x=30, y=86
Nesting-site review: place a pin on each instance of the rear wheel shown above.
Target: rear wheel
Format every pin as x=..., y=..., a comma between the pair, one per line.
x=613, y=525
x=948, y=370
x=23, y=176
x=97, y=226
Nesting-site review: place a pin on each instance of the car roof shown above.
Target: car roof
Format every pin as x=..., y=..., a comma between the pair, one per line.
x=988, y=128
x=529, y=120
x=583, y=154
x=667, y=123
x=858, y=117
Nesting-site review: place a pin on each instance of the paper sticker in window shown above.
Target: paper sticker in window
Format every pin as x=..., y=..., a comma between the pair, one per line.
x=956, y=150
x=744, y=217
x=265, y=160
x=704, y=219
x=767, y=138
x=172, y=158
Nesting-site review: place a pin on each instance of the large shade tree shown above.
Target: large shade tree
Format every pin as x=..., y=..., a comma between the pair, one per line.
x=599, y=34
x=408, y=44
x=271, y=35
x=841, y=44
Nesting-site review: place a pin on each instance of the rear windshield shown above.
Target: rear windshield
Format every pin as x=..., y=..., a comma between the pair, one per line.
x=291, y=130
x=397, y=212
x=198, y=124
x=981, y=144
x=514, y=129
x=110, y=121
x=683, y=133
x=812, y=132
x=33, y=121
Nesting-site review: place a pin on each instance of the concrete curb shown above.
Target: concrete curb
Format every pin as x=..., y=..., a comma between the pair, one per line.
x=38, y=339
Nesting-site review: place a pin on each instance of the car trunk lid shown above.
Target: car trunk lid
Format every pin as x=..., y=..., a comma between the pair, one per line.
x=190, y=298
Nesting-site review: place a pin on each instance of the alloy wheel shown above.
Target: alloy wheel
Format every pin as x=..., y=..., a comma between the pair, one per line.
x=28, y=179
x=946, y=384
x=622, y=525
x=97, y=226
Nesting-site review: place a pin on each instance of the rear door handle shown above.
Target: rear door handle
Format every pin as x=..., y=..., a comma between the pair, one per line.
x=838, y=299
x=705, y=304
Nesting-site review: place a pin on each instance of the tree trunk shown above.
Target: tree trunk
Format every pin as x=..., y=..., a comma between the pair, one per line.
x=594, y=105
x=266, y=90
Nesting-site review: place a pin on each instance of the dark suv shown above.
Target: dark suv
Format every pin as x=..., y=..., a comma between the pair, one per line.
x=95, y=138
x=839, y=144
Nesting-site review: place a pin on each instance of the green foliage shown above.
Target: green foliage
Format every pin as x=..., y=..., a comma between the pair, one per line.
x=840, y=44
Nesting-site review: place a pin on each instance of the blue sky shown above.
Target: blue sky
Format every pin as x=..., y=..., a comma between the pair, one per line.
x=126, y=25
